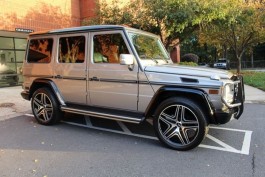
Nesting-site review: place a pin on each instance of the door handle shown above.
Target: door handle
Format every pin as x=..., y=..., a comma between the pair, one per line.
x=94, y=79
x=58, y=77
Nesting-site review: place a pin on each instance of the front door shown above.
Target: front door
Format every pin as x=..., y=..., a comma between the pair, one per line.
x=111, y=85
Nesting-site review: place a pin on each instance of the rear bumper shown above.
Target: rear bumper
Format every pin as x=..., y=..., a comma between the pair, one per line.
x=25, y=95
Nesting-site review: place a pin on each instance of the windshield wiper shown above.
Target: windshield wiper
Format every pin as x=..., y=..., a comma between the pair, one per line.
x=163, y=59
x=145, y=57
x=154, y=60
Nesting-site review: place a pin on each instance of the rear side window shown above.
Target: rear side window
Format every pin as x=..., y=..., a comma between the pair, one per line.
x=72, y=49
x=40, y=50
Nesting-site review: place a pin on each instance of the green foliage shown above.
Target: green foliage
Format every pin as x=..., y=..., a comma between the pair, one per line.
x=240, y=30
x=172, y=20
x=188, y=63
x=255, y=79
x=229, y=25
x=205, y=52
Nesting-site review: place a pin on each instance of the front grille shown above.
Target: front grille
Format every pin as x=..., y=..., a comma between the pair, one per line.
x=239, y=92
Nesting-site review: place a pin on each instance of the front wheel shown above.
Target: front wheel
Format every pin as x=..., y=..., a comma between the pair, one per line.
x=180, y=124
x=45, y=107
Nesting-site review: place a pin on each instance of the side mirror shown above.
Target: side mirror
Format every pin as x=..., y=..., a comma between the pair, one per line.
x=126, y=59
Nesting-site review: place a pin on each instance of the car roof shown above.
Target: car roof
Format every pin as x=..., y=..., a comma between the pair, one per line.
x=86, y=28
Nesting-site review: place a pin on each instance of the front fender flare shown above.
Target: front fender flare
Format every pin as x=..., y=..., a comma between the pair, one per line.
x=199, y=96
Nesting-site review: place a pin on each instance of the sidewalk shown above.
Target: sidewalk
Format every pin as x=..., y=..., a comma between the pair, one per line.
x=12, y=104
x=254, y=95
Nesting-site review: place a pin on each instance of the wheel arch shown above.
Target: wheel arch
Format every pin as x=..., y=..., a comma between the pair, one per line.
x=199, y=96
x=40, y=83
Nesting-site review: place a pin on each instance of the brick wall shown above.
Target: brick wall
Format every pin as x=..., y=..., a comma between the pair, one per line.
x=44, y=15
x=87, y=8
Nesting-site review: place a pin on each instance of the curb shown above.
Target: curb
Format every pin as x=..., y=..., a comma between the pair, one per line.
x=255, y=102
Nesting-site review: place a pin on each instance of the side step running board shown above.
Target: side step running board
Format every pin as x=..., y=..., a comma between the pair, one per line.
x=122, y=118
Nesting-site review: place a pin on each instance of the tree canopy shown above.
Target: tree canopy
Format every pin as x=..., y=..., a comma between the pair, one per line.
x=172, y=20
x=234, y=24
x=242, y=28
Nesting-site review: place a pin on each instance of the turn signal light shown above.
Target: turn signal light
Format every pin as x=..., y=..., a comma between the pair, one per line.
x=213, y=92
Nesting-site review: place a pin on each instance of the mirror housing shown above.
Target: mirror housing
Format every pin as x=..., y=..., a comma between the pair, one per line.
x=126, y=59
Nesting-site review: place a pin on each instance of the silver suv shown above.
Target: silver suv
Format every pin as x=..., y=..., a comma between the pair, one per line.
x=124, y=74
x=222, y=63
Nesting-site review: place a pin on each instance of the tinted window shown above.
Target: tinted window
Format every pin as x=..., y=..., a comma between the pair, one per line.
x=108, y=47
x=72, y=49
x=40, y=50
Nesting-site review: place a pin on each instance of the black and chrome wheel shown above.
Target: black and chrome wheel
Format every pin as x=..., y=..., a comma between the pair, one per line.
x=45, y=107
x=180, y=124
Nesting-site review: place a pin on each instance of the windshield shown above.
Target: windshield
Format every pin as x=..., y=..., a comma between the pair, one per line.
x=221, y=61
x=148, y=47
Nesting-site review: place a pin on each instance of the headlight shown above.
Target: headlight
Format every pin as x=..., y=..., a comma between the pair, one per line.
x=228, y=93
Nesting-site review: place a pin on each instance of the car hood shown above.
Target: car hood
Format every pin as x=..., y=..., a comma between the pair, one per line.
x=189, y=71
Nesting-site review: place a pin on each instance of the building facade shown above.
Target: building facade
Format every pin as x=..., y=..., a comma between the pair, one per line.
x=18, y=18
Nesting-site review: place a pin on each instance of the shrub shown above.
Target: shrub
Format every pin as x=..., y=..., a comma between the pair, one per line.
x=190, y=57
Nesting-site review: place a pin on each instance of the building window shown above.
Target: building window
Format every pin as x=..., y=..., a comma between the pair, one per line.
x=20, y=43
x=12, y=54
x=72, y=49
x=6, y=43
x=40, y=50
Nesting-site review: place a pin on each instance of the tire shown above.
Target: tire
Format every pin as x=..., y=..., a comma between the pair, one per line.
x=45, y=107
x=180, y=124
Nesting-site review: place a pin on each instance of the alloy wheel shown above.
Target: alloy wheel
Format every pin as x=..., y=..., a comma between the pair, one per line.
x=178, y=125
x=42, y=107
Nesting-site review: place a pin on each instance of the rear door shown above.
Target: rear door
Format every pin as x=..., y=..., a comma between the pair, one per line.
x=70, y=67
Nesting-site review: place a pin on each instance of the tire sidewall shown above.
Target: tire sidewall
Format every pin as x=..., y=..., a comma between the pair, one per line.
x=202, y=130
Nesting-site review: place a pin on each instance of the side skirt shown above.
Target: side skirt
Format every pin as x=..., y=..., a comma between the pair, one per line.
x=118, y=115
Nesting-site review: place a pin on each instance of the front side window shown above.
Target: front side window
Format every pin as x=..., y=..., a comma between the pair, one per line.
x=40, y=50
x=148, y=47
x=72, y=49
x=108, y=47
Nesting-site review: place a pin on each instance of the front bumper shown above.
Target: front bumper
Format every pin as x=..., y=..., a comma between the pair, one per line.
x=236, y=108
x=223, y=117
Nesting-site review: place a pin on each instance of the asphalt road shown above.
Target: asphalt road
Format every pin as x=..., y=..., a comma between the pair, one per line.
x=89, y=147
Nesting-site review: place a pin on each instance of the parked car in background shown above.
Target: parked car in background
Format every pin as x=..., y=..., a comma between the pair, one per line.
x=222, y=63
x=203, y=64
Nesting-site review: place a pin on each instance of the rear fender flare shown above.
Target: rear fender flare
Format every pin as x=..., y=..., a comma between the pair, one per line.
x=38, y=83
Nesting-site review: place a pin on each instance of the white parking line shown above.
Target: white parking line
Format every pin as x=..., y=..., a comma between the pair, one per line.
x=124, y=128
x=30, y=115
x=246, y=143
x=113, y=131
x=225, y=147
x=88, y=121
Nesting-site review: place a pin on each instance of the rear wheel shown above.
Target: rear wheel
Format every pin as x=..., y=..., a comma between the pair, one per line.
x=45, y=107
x=180, y=124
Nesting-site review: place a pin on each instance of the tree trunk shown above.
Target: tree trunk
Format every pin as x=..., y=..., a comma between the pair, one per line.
x=239, y=59
x=238, y=65
x=252, y=59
